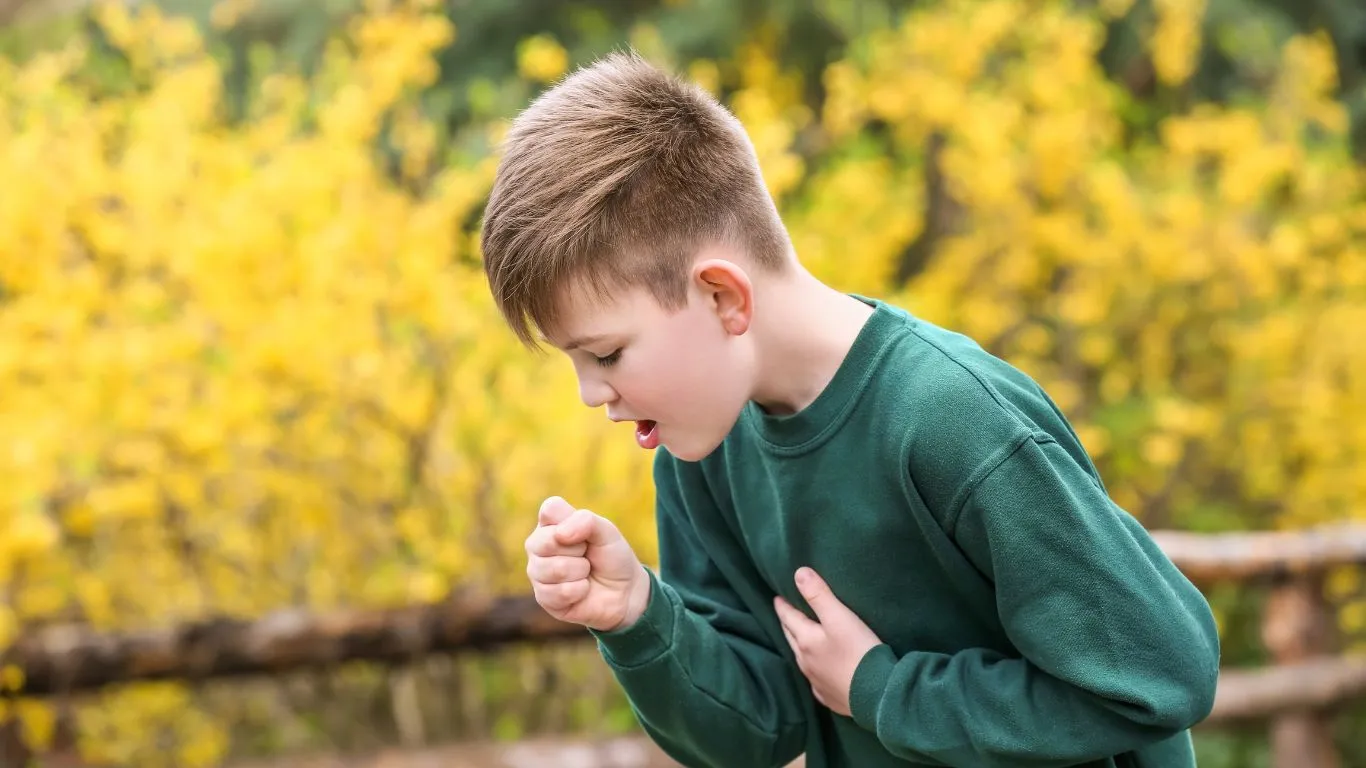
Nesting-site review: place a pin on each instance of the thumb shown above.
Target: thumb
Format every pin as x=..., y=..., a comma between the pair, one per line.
x=585, y=526
x=553, y=510
x=817, y=594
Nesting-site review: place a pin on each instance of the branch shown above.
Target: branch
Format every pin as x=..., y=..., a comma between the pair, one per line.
x=1242, y=556
x=940, y=213
x=63, y=658
x=1307, y=685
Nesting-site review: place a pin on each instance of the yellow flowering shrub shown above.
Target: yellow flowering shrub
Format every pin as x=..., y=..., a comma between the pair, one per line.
x=1186, y=299
x=250, y=365
x=244, y=369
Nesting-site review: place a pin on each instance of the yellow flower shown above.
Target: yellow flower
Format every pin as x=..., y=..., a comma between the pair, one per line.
x=541, y=58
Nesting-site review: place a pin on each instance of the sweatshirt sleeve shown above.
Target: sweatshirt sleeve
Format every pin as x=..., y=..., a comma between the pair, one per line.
x=701, y=676
x=1117, y=649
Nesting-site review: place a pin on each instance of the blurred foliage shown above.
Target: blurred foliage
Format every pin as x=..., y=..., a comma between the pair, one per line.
x=244, y=368
x=1237, y=56
x=251, y=362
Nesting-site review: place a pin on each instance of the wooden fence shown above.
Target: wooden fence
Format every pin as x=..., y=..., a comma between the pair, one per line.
x=1309, y=675
x=1296, y=694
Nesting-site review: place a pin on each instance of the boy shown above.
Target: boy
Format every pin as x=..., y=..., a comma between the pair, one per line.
x=879, y=545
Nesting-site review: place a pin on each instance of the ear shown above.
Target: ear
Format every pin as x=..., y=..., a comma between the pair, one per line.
x=730, y=292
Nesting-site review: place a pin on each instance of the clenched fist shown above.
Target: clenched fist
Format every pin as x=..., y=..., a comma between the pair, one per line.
x=582, y=570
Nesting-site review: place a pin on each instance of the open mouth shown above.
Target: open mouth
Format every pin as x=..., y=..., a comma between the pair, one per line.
x=647, y=434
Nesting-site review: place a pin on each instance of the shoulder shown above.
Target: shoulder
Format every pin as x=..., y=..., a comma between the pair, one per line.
x=945, y=382
x=960, y=410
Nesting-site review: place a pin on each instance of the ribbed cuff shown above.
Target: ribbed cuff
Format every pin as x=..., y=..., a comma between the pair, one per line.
x=870, y=680
x=650, y=637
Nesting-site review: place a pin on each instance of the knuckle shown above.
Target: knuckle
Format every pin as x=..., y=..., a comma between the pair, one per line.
x=555, y=571
x=544, y=600
x=555, y=599
x=559, y=593
x=577, y=568
x=539, y=572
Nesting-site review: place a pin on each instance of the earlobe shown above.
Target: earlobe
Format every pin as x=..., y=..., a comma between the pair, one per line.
x=731, y=294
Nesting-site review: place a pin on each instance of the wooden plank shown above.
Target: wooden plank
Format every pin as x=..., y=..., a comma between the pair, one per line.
x=1206, y=558
x=1320, y=683
x=70, y=658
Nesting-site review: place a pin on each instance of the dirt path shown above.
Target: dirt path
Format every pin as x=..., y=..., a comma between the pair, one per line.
x=630, y=752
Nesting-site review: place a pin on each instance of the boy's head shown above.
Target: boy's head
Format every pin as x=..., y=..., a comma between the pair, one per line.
x=629, y=204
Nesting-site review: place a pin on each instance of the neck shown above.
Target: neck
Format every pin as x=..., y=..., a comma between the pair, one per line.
x=803, y=331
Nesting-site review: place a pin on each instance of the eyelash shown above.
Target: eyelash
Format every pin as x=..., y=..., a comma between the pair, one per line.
x=610, y=360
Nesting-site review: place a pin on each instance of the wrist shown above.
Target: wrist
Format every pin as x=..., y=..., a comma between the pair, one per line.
x=637, y=599
x=650, y=635
x=869, y=684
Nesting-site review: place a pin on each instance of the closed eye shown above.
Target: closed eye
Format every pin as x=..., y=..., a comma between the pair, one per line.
x=610, y=360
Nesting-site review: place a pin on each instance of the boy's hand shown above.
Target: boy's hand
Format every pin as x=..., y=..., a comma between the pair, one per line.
x=829, y=650
x=582, y=570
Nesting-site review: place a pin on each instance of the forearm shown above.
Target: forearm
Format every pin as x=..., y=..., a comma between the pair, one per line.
x=977, y=707
x=708, y=698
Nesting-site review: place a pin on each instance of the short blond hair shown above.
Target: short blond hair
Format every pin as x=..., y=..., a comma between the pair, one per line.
x=615, y=178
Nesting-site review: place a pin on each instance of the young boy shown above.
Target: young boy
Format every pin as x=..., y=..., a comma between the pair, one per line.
x=879, y=545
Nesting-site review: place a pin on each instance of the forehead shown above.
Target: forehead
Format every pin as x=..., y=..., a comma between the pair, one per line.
x=582, y=312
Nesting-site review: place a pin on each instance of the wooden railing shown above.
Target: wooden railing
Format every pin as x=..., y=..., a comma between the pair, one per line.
x=1309, y=676
x=1296, y=694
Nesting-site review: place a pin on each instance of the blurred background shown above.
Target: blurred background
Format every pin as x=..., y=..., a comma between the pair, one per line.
x=248, y=362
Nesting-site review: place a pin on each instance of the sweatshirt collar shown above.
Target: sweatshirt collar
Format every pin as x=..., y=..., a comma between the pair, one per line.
x=807, y=428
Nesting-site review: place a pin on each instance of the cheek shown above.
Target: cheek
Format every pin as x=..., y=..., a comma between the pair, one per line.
x=662, y=375
x=701, y=381
x=687, y=372
x=659, y=378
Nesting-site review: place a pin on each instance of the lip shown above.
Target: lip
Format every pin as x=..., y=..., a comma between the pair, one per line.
x=647, y=434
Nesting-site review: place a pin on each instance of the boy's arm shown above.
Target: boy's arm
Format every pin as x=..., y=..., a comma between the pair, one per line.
x=702, y=678
x=1119, y=649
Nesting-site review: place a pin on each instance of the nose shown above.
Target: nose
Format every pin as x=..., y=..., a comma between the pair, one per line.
x=594, y=391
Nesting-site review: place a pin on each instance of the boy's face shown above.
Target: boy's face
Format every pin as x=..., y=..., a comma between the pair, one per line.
x=682, y=376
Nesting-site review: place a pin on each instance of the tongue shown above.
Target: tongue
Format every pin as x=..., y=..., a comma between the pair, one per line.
x=647, y=434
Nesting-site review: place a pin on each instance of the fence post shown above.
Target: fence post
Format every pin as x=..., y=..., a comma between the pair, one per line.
x=1297, y=625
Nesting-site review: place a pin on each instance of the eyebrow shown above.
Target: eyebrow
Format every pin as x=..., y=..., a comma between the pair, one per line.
x=579, y=342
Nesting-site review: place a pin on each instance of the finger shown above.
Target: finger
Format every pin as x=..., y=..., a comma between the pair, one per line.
x=557, y=569
x=790, y=616
x=797, y=652
x=803, y=664
x=543, y=543
x=816, y=693
x=818, y=595
x=787, y=633
x=587, y=528
x=561, y=597
x=798, y=628
x=553, y=510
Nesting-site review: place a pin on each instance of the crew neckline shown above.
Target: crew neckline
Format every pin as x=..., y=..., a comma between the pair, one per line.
x=807, y=428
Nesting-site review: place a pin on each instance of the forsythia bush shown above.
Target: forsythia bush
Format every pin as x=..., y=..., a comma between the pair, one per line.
x=253, y=365
x=1189, y=301
x=243, y=369
x=1193, y=300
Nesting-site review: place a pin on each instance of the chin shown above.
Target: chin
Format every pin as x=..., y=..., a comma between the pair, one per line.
x=691, y=451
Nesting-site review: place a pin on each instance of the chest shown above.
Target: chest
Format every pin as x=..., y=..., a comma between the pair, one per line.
x=864, y=529
x=826, y=515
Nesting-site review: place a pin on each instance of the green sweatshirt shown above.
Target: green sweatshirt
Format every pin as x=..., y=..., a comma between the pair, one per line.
x=1026, y=619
